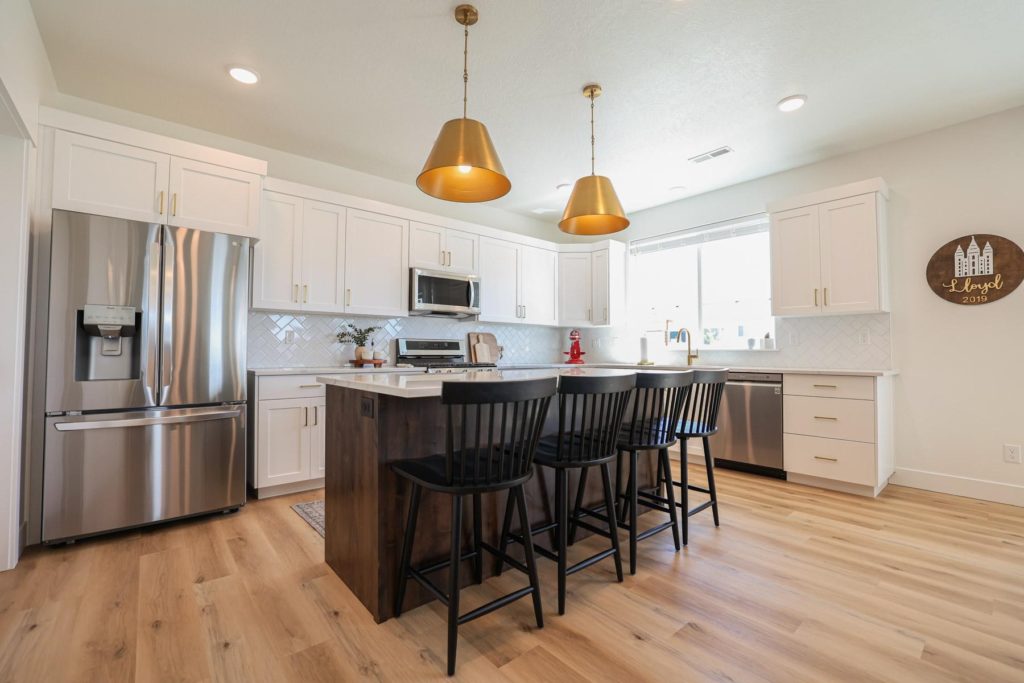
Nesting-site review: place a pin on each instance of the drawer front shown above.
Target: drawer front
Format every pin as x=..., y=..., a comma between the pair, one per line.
x=290, y=386
x=830, y=386
x=833, y=418
x=848, y=461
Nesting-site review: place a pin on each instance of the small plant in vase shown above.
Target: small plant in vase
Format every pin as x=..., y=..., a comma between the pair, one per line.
x=360, y=336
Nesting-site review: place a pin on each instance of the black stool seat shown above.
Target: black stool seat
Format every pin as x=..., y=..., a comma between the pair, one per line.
x=654, y=433
x=554, y=453
x=492, y=430
x=688, y=429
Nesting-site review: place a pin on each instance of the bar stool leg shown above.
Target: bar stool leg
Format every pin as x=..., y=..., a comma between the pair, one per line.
x=665, y=465
x=620, y=505
x=453, y=582
x=613, y=527
x=579, y=503
x=506, y=529
x=709, y=465
x=531, y=562
x=478, y=559
x=684, y=485
x=410, y=534
x=633, y=483
x=562, y=514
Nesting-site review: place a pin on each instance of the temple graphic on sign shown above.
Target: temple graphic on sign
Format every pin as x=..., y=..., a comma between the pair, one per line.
x=975, y=261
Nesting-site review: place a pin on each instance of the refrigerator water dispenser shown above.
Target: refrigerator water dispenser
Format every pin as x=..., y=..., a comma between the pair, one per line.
x=105, y=346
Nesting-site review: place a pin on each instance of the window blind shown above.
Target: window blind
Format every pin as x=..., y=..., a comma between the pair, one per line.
x=736, y=227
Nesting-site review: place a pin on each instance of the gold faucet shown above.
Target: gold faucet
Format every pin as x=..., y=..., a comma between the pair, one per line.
x=690, y=355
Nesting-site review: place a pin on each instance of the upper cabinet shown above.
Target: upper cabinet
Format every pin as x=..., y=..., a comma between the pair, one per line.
x=829, y=252
x=592, y=286
x=318, y=257
x=108, y=178
x=435, y=248
x=518, y=283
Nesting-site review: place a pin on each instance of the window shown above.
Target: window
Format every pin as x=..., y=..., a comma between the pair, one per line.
x=714, y=280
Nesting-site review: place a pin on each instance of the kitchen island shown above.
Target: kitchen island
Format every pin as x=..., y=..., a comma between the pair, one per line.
x=376, y=419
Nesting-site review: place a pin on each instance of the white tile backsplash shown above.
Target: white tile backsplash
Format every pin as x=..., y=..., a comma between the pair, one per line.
x=314, y=343
x=856, y=342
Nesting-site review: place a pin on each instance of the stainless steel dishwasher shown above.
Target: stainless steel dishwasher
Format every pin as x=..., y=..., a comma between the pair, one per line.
x=749, y=434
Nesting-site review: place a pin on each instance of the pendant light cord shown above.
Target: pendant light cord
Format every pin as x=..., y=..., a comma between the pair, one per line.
x=591, y=132
x=465, y=69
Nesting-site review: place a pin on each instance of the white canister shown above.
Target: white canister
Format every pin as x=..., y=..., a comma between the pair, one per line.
x=367, y=353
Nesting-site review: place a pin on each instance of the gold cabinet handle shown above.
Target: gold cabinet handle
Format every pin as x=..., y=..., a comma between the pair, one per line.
x=309, y=386
x=442, y=257
x=174, y=204
x=825, y=417
x=822, y=457
x=588, y=315
x=306, y=411
x=348, y=297
x=815, y=296
x=826, y=296
x=161, y=212
x=825, y=386
x=295, y=295
x=316, y=416
x=305, y=294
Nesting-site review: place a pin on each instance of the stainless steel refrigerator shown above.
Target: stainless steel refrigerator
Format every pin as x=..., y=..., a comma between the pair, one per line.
x=145, y=375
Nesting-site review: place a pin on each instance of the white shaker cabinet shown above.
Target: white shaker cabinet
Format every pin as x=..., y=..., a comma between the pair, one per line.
x=538, y=278
x=499, y=281
x=323, y=257
x=376, y=264
x=829, y=253
x=600, y=286
x=109, y=178
x=277, y=258
x=436, y=248
x=284, y=439
x=575, y=289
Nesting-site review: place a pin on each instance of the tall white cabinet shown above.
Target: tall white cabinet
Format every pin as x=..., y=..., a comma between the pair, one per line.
x=829, y=251
x=592, y=285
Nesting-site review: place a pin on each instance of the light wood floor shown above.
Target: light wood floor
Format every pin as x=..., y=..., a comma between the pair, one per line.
x=797, y=585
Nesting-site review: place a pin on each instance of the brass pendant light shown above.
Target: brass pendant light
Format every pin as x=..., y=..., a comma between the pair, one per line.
x=463, y=166
x=593, y=208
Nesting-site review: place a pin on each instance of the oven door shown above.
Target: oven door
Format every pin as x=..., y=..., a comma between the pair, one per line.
x=444, y=294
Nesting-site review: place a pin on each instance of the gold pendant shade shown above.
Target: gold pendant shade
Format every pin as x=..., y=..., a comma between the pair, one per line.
x=463, y=166
x=593, y=208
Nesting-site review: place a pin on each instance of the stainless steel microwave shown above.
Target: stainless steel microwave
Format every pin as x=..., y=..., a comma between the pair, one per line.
x=445, y=295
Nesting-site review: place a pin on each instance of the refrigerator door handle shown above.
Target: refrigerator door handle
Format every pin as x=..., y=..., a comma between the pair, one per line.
x=151, y=327
x=192, y=416
x=167, y=318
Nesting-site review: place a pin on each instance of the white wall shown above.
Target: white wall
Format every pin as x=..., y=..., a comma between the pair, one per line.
x=958, y=395
x=25, y=75
x=316, y=173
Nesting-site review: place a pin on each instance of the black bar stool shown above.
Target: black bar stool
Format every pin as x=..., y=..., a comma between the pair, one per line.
x=657, y=408
x=590, y=410
x=492, y=434
x=700, y=420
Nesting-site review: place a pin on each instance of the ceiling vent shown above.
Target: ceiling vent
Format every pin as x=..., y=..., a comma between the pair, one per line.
x=713, y=154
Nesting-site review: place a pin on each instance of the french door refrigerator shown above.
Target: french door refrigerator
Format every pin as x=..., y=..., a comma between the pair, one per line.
x=145, y=375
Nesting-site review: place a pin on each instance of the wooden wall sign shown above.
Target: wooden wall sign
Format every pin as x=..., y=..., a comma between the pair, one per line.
x=976, y=269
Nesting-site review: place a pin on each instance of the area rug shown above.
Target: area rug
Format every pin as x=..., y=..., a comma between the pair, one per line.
x=313, y=513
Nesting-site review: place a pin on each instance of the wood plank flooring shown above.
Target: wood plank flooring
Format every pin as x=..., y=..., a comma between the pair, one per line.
x=798, y=584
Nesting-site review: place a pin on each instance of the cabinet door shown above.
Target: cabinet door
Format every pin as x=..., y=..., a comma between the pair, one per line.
x=600, y=284
x=283, y=445
x=109, y=179
x=276, y=259
x=849, y=255
x=322, y=284
x=499, y=281
x=574, y=289
x=796, y=262
x=539, y=283
x=426, y=246
x=318, y=441
x=214, y=198
x=376, y=264
x=461, y=249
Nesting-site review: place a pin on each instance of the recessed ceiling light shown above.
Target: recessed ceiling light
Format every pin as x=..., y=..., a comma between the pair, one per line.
x=243, y=75
x=792, y=103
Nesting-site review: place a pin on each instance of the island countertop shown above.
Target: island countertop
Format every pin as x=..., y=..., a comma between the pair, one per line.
x=427, y=385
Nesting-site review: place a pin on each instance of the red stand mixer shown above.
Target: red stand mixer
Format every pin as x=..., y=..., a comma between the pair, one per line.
x=574, y=352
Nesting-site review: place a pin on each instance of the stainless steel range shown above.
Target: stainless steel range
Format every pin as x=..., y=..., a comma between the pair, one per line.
x=438, y=355
x=144, y=378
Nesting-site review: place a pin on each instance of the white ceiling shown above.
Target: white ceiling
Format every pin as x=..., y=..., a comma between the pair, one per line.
x=368, y=84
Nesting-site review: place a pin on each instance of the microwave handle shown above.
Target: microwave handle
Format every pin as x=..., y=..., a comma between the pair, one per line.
x=469, y=293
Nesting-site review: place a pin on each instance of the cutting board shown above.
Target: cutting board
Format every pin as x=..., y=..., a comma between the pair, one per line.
x=478, y=342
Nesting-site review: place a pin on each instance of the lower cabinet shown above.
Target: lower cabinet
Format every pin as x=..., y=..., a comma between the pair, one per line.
x=287, y=427
x=838, y=431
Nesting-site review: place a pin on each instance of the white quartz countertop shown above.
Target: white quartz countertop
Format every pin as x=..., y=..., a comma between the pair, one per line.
x=734, y=368
x=328, y=370
x=421, y=385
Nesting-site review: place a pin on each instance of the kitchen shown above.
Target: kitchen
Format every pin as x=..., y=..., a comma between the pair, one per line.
x=195, y=291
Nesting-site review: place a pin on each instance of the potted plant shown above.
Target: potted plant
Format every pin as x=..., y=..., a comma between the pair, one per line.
x=359, y=336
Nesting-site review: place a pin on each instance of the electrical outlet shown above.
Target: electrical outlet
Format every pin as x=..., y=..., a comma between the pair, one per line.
x=1011, y=453
x=865, y=337
x=289, y=336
